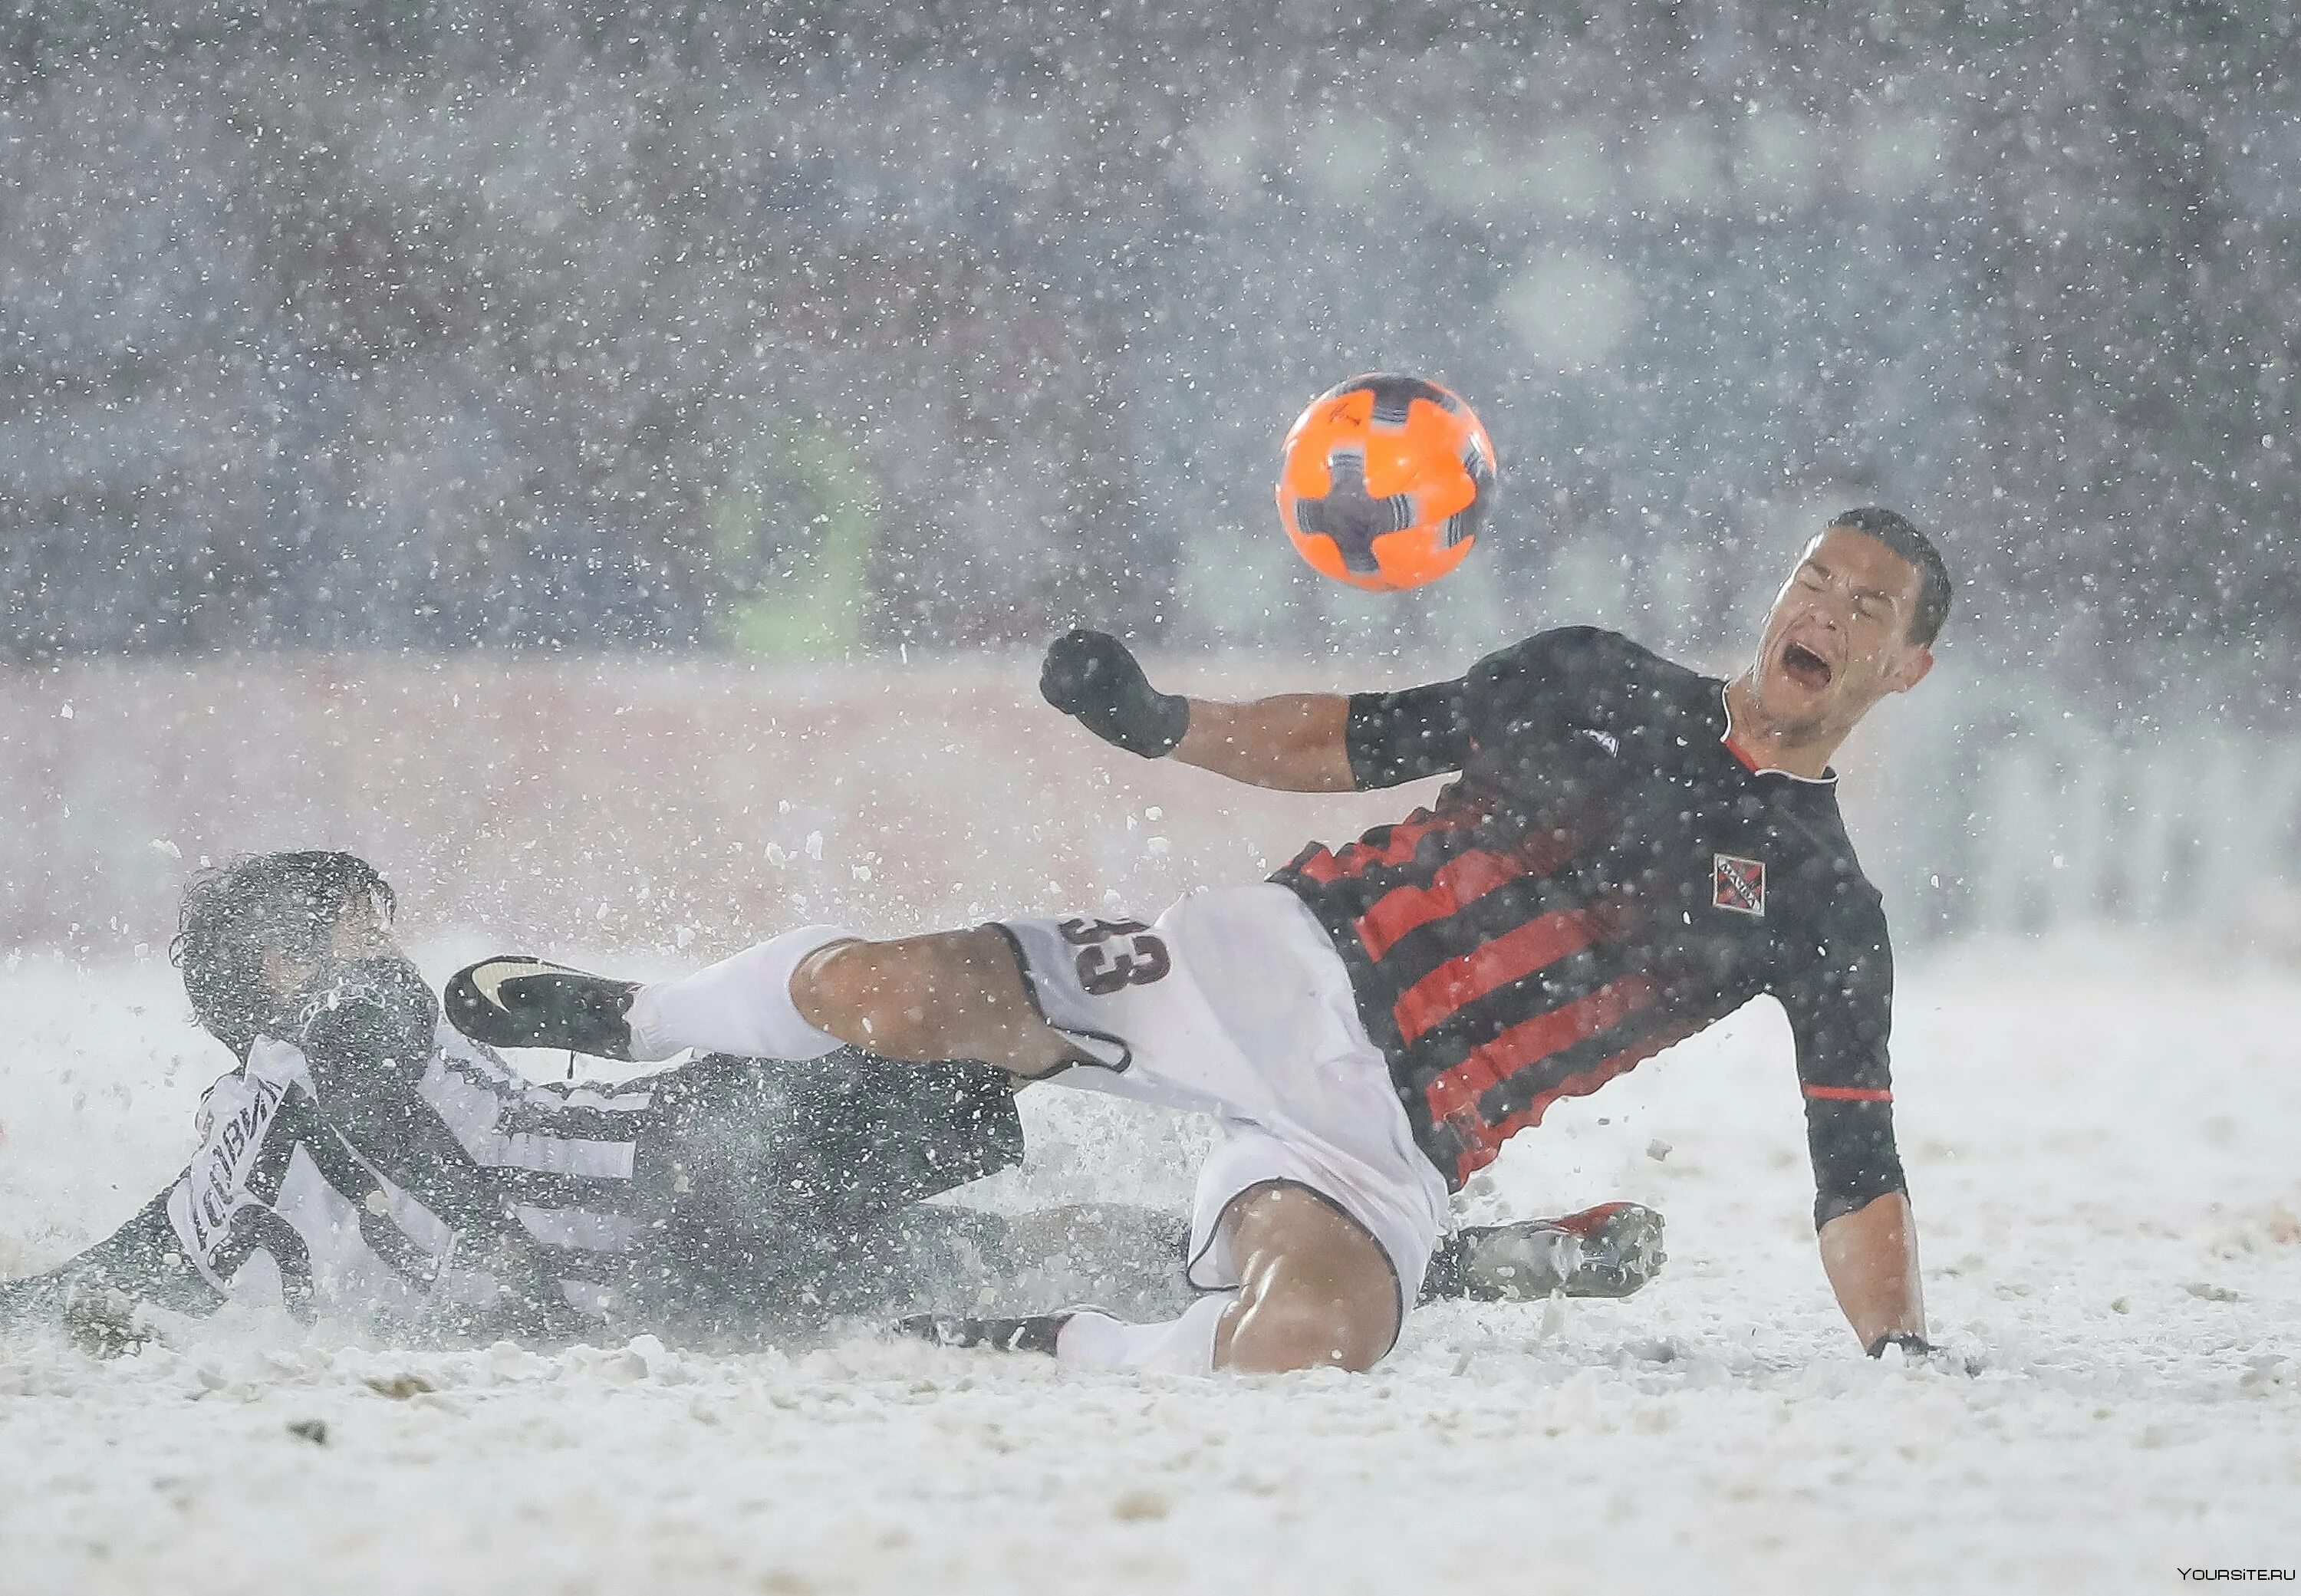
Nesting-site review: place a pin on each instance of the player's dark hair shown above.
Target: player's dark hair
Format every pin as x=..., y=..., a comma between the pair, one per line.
x=289, y=902
x=1898, y=532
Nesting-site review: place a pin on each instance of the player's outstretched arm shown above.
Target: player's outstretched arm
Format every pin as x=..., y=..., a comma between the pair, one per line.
x=141, y=1259
x=1871, y=1258
x=1295, y=742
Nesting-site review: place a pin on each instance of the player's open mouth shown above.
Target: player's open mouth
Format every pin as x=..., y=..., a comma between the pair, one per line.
x=1808, y=669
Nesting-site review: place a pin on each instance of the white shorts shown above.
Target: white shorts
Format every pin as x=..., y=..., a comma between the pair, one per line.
x=1235, y=1005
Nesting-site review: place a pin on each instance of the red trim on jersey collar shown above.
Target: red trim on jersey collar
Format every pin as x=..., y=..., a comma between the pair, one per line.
x=1828, y=777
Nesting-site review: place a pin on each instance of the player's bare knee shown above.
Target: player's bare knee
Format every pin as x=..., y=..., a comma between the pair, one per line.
x=902, y=1000
x=1282, y=1333
x=828, y=988
x=858, y=992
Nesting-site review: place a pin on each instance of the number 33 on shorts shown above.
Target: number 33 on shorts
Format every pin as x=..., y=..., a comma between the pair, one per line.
x=1116, y=954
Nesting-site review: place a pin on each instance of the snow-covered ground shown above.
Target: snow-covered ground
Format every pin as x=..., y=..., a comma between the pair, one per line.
x=2104, y=1144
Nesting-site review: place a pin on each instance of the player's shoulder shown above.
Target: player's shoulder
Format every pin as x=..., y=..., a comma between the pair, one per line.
x=273, y=1073
x=1808, y=812
x=1848, y=909
x=1587, y=672
x=1590, y=652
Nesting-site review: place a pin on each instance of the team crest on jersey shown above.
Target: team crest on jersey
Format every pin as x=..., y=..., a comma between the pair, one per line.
x=1738, y=884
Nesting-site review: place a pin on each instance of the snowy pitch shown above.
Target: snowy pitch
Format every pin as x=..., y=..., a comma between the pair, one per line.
x=2104, y=1152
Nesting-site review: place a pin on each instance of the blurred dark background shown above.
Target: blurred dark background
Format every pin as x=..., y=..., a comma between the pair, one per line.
x=818, y=330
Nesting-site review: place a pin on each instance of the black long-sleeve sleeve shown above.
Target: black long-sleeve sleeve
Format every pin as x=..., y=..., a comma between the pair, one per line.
x=1433, y=731
x=141, y=1257
x=1839, y=997
x=1396, y=738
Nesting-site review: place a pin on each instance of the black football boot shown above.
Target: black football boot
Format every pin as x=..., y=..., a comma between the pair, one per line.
x=1610, y=1251
x=514, y=1001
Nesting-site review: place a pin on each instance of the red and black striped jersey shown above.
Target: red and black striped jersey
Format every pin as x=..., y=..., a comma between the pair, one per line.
x=1607, y=876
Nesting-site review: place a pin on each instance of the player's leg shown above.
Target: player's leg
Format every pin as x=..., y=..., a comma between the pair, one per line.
x=1315, y=1290
x=807, y=993
x=1125, y=1259
x=957, y=994
x=774, y=1181
x=822, y=1144
x=1129, y=1259
x=1317, y=1212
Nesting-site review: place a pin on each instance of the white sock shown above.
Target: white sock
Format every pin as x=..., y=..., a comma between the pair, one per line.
x=1185, y=1346
x=740, y=1005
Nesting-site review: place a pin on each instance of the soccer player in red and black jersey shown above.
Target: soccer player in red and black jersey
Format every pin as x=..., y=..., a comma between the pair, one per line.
x=1629, y=852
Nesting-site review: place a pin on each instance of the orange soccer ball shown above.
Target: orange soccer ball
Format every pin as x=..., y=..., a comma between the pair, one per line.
x=1384, y=480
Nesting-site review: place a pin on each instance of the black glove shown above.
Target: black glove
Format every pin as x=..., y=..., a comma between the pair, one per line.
x=1090, y=674
x=1913, y=1345
x=353, y=1018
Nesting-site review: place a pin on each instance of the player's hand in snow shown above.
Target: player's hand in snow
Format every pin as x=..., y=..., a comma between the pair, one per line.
x=19, y=1302
x=103, y=1321
x=1091, y=676
x=1912, y=1345
x=1912, y=1351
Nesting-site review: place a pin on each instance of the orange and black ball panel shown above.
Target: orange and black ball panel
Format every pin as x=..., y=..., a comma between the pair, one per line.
x=1384, y=480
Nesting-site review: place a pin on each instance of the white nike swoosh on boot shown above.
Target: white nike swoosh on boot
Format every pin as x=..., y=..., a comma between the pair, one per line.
x=490, y=977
